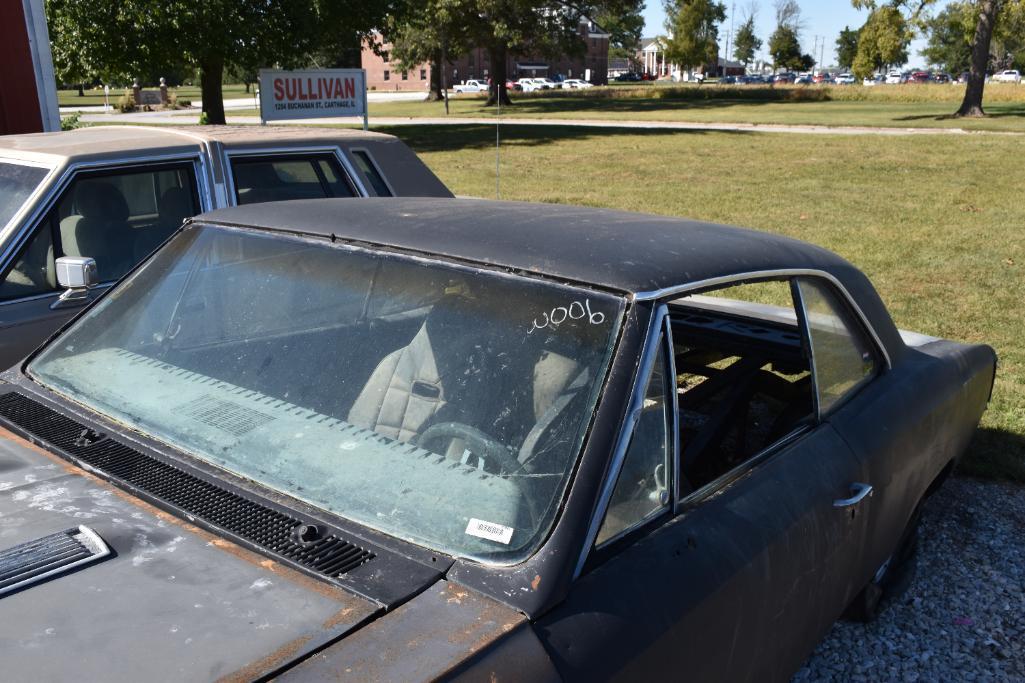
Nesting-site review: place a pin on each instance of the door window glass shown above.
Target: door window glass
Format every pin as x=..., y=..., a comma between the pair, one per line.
x=743, y=376
x=642, y=490
x=272, y=180
x=119, y=218
x=33, y=272
x=17, y=182
x=841, y=354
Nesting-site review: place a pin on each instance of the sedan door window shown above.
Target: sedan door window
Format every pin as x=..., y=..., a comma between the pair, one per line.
x=842, y=356
x=273, y=179
x=642, y=491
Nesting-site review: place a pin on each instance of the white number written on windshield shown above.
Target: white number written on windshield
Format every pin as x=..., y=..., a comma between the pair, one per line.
x=560, y=314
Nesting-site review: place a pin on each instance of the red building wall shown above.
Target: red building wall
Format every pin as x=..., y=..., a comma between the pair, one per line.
x=26, y=69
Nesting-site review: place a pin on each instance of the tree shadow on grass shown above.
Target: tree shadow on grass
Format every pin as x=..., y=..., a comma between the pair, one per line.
x=450, y=138
x=995, y=454
x=993, y=111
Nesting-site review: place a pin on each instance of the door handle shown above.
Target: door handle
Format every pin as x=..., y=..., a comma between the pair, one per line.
x=858, y=493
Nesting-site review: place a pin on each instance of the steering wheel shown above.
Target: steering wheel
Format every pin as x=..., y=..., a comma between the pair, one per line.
x=478, y=443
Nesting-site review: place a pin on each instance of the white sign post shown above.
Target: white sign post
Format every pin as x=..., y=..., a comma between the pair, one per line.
x=312, y=94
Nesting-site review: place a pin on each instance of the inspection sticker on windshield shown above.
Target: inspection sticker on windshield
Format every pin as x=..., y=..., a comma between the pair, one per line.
x=489, y=531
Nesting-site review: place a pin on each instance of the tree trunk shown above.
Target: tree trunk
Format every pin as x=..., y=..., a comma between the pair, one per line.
x=972, y=103
x=247, y=87
x=81, y=89
x=434, y=94
x=497, y=92
x=211, y=73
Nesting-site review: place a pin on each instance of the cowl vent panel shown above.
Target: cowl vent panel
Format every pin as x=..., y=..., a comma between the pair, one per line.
x=263, y=526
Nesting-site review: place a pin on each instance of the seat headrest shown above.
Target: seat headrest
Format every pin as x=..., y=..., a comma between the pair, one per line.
x=100, y=200
x=175, y=206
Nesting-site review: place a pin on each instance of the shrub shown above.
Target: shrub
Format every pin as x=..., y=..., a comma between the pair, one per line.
x=70, y=122
x=203, y=119
x=126, y=103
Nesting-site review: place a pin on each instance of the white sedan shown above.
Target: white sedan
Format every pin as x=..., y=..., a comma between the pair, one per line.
x=845, y=79
x=575, y=83
x=1007, y=76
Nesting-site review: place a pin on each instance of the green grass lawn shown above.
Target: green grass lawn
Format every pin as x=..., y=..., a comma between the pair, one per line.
x=936, y=223
x=70, y=98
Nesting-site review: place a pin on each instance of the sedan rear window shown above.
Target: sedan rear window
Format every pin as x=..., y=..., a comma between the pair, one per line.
x=444, y=405
x=17, y=182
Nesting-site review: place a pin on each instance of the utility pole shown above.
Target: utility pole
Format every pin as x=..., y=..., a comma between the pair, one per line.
x=822, y=53
x=726, y=57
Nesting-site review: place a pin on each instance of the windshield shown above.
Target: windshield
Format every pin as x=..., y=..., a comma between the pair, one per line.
x=441, y=404
x=17, y=182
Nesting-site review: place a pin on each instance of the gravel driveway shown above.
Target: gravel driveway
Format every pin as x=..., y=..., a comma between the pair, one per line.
x=963, y=615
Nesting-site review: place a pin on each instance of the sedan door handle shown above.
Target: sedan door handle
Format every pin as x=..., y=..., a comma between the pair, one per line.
x=858, y=493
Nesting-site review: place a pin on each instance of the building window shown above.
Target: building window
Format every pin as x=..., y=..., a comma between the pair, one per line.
x=384, y=56
x=423, y=74
x=405, y=75
x=387, y=75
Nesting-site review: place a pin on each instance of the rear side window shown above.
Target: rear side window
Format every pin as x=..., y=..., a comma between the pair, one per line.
x=275, y=179
x=369, y=170
x=842, y=355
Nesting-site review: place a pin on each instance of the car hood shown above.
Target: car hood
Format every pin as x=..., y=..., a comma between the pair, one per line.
x=170, y=601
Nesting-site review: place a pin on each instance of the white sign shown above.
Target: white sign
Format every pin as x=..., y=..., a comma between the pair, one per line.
x=312, y=94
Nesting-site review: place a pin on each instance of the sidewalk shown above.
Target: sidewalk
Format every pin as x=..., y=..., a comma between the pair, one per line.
x=191, y=116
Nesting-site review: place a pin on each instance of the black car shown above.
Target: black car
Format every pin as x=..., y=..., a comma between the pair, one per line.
x=412, y=439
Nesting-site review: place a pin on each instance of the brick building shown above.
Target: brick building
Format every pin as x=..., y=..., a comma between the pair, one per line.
x=592, y=65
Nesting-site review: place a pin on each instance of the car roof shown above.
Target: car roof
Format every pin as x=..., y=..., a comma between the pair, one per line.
x=104, y=141
x=628, y=252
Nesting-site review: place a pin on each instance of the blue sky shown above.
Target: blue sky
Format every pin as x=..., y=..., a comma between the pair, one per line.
x=825, y=18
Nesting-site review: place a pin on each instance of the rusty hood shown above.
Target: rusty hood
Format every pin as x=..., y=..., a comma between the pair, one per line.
x=170, y=601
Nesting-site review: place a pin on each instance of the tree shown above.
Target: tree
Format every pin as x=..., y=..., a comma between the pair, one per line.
x=949, y=37
x=122, y=40
x=882, y=41
x=846, y=47
x=746, y=42
x=694, y=31
x=509, y=27
x=432, y=32
x=784, y=43
x=971, y=105
x=984, y=18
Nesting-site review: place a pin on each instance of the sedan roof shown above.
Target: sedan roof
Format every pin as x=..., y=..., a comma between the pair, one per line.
x=119, y=140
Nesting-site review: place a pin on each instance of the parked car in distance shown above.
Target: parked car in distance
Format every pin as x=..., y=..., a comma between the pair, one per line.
x=1007, y=76
x=783, y=78
x=942, y=78
x=822, y=77
x=804, y=79
x=396, y=439
x=845, y=79
x=895, y=78
x=575, y=84
x=471, y=86
x=919, y=77
x=114, y=193
x=533, y=84
x=870, y=81
x=963, y=77
x=629, y=77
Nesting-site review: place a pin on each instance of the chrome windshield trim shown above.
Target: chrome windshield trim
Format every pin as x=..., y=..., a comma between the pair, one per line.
x=651, y=349
x=336, y=150
x=715, y=282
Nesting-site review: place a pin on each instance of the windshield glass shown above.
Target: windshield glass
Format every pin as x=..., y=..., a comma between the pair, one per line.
x=441, y=404
x=17, y=182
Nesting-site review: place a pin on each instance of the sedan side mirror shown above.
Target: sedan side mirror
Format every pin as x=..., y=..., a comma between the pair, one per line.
x=78, y=275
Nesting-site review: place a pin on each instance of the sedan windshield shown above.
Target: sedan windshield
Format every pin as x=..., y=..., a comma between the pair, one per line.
x=442, y=404
x=17, y=182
